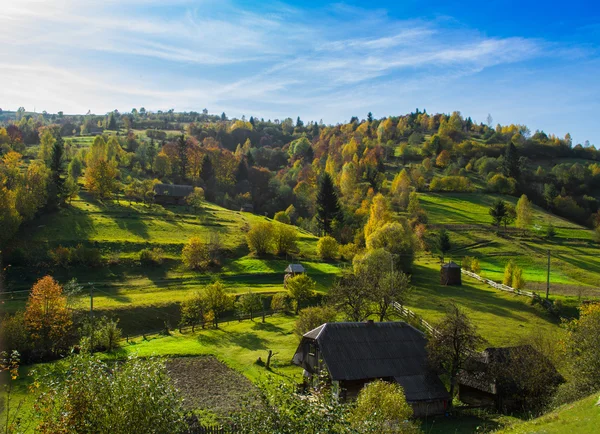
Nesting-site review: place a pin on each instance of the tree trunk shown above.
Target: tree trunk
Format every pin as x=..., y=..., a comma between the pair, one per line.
x=268, y=364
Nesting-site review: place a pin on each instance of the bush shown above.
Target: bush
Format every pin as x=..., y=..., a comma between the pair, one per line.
x=281, y=302
x=475, y=267
x=260, y=238
x=284, y=238
x=102, y=334
x=501, y=184
x=151, y=256
x=282, y=217
x=327, y=248
x=518, y=282
x=195, y=254
x=86, y=256
x=451, y=183
x=97, y=396
x=312, y=317
x=61, y=256
x=348, y=251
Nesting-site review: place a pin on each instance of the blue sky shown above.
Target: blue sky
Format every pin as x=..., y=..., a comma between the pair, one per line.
x=530, y=62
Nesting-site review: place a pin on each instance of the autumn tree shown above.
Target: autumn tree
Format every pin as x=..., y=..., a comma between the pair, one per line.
x=161, y=165
x=193, y=310
x=327, y=248
x=524, y=213
x=400, y=189
x=260, y=238
x=312, y=317
x=300, y=288
x=47, y=316
x=381, y=407
x=399, y=240
x=328, y=207
x=443, y=159
x=195, y=254
x=284, y=239
x=196, y=198
x=217, y=301
x=249, y=303
x=47, y=141
x=379, y=214
x=10, y=219
x=101, y=179
x=454, y=341
x=351, y=295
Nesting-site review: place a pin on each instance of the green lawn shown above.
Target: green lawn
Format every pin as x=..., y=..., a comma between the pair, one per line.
x=580, y=417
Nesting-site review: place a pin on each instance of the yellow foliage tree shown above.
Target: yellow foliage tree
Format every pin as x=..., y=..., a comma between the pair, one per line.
x=379, y=214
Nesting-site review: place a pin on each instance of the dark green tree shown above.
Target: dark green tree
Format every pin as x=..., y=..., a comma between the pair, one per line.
x=328, y=206
x=112, y=122
x=498, y=212
x=182, y=152
x=56, y=187
x=510, y=166
x=207, y=172
x=151, y=151
x=444, y=244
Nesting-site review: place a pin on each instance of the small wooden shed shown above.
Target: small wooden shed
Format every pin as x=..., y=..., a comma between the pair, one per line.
x=291, y=271
x=247, y=207
x=450, y=274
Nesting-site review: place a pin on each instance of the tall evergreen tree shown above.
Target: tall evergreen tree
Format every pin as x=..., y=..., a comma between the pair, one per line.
x=112, y=121
x=498, y=212
x=56, y=187
x=328, y=206
x=510, y=166
x=182, y=151
x=207, y=173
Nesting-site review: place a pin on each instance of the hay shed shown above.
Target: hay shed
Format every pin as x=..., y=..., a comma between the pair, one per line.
x=291, y=271
x=450, y=274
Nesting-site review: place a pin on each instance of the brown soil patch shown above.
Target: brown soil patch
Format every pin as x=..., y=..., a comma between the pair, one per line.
x=208, y=384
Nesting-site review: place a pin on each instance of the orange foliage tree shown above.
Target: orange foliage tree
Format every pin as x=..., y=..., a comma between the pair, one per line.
x=47, y=316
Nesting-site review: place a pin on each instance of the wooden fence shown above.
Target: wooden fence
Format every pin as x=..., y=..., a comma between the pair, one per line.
x=407, y=313
x=546, y=303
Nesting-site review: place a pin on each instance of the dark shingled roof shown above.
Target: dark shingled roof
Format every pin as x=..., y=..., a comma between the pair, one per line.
x=294, y=268
x=173, y=190
x=451, y=265
x=362, y=351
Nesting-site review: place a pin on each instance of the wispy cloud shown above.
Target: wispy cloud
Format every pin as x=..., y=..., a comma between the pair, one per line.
x=270, y=58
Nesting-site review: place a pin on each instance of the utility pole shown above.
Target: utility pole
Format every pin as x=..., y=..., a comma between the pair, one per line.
x=548, y=277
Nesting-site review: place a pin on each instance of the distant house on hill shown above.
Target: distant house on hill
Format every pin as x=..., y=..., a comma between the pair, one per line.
x=356, y=353
x=291, y=271
x=247, y=207
x=490, y=377
x=172, y=194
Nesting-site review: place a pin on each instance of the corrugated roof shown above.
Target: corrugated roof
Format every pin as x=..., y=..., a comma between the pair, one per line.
x=173, y=190
x=294, y=268
x=358, y=351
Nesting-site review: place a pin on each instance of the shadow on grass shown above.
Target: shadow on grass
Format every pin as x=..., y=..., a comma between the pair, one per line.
x=222, y=338
x=268, y=327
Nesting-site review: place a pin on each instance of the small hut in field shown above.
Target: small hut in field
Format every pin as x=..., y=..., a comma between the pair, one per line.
x=292, y=270
x=450, y=274
x=172, y=194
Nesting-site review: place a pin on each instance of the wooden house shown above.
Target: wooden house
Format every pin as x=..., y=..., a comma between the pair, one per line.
x=355, y=353
x=450, y=274
x=491, y=378
x=172, y=194
x=247, y=207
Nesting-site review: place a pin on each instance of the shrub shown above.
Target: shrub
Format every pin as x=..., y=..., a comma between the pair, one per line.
x=382, y=407
x=313, y=317
x=282, y=217
x=151, y=256
x=280, y=302
x=195, y=254
x=284, y=238
x=348, y=251
x=260, y=238
x=501, y=184
x=475, y=267
x=467, y=263
x=550, y=231
x=518, y=282
x=508, y=273
x=327, y=248
x=451, y=183
x=61, y=256
x=86, y=255
x=300, y=288
x=102, y=334
x=136, y=395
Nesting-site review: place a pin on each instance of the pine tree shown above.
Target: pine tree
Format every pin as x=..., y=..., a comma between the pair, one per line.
x=510, y=167
x=207, y=172
x=56, y=187
x=328, y=207
x=498, y=212
x=182, y=151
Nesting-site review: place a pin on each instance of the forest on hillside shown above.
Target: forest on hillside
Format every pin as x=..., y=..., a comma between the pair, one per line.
x=276, y=166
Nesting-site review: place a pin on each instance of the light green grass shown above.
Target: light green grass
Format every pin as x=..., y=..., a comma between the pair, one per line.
x=580, y=417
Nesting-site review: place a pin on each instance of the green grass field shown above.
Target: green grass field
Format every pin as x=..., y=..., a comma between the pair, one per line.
x=580, y=417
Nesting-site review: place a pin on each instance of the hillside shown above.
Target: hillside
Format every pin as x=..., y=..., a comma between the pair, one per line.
x=580, y=417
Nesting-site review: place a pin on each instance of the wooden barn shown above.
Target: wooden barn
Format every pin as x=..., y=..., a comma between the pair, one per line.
x=291, y=271
x=172, y=194
x=355, y=353
x=450, y=274
x=247, y=207
x=490, y=378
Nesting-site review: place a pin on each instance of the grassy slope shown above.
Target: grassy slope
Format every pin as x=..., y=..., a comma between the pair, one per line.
x=580, y=417
x=575, y=262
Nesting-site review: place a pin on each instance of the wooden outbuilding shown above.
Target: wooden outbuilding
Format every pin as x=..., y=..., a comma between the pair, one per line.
x=490, y=378
x=172, y=194
x=247, y=207
x=450, y=274
x=356, y=353
x=291, y=271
